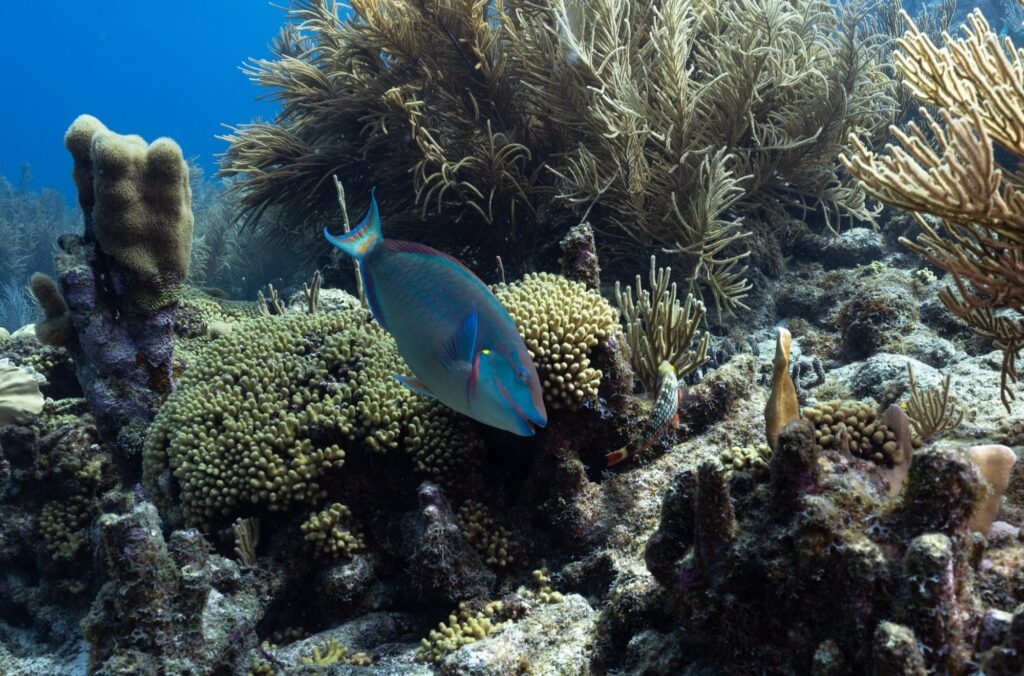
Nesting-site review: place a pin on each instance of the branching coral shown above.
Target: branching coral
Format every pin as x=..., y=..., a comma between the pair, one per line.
x=659, y=329
x=490, y=539
x=461, y=629
x=951, y=170
x=488, y=124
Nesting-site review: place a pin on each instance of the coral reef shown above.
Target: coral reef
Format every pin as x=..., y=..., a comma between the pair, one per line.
x=169, y=605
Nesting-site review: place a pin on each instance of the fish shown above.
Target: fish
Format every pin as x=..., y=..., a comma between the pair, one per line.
x=461, y=345
x=664, y=412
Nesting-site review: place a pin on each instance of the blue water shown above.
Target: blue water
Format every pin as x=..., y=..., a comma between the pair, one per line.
x=148, y=68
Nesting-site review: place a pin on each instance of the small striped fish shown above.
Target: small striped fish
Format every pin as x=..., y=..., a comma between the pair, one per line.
x=664, y=412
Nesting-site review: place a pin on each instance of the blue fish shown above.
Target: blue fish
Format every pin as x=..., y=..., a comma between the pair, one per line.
x=457, y=339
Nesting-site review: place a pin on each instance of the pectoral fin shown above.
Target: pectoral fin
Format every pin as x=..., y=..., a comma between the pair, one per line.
x=415, y=385
x=461, y=347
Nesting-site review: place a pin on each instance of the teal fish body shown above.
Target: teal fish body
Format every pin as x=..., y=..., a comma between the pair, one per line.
x=461, y=345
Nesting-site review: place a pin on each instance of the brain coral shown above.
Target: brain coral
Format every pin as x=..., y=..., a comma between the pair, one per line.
x=561, y=321
x=266, y=413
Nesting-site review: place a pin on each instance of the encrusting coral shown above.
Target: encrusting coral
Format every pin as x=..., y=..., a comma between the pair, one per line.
x=951, y=169
x=19, y=395
x=562, y=322
x=490, y=123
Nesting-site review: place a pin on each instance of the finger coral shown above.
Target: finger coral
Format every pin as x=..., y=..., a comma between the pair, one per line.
x=950, y=168
x=327, y=538
x=561, y=322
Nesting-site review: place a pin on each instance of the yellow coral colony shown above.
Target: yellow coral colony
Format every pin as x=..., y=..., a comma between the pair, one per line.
x=561, y=322
x=783, y=406
x=950, y=170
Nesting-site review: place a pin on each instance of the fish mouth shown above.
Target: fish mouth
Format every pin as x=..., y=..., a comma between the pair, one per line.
x=526, y=426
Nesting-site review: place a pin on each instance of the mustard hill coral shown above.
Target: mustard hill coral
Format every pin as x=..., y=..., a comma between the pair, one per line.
x=269, y=410
x=561, y=322
x=865, y=434
x=461, y=629
x=490, y=539
x=327, y=538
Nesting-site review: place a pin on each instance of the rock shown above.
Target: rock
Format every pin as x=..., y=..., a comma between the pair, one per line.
x=856, y=246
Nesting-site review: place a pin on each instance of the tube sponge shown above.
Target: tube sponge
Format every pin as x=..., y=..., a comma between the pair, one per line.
x=57, y=329
x=138, y=204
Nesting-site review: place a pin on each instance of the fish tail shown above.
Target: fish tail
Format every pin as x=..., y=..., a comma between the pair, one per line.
x=615, y=457
x=364, y=238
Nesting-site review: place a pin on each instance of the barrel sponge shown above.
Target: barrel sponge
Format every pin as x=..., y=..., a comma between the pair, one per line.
x=140, y=202
x=561, y=321
x=269, y=411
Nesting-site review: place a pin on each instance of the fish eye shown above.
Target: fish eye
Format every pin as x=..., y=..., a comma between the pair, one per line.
x=522, y=375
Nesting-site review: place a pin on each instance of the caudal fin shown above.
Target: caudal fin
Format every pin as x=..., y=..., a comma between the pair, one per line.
x=364, y=238
x=615, y=457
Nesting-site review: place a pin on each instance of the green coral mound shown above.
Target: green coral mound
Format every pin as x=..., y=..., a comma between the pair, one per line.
x=268, y=412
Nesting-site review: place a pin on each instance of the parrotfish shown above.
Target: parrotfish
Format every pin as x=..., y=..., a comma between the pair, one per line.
x=461, y=345
x=664, y=411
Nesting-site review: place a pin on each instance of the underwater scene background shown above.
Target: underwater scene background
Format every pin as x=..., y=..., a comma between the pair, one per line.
x=520, y=337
